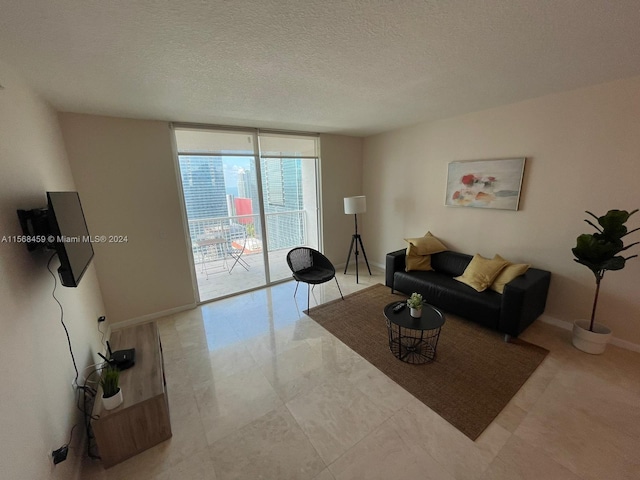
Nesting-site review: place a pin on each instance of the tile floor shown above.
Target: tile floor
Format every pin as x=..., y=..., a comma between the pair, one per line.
x=259, y=391
x=214, y=279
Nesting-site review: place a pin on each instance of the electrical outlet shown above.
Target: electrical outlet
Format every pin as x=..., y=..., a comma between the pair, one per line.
x=60, y=455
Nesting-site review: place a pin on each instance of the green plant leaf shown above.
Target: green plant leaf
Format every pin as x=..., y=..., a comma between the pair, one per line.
x=613, y=223
x=595, y=249
x=594, y=268
x=109, y=381
x=615, y=263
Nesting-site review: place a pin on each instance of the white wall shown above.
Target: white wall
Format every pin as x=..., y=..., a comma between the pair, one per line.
x=36, y=396
x=341, y=165
x=583, y=153
x=125, y=172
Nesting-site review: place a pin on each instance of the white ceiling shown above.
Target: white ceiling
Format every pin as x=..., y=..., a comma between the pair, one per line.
x=354, y=67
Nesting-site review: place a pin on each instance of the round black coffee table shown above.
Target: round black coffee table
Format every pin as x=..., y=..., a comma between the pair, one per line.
x=413, y=340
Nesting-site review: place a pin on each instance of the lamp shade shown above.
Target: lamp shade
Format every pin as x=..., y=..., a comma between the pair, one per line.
x=355, y=204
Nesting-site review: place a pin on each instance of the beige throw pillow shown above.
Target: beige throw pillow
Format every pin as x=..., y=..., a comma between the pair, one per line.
x=508, y=273
x=419, y=250
x=417, y=262
x=481, y=272
x=426, y=245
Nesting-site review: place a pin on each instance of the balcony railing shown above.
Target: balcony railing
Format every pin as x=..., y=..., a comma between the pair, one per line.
x=228, y=251
x=285, y=230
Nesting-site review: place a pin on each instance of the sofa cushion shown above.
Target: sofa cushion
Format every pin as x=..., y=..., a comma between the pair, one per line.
x=450, y=263
x=508, y=273
x=444, y=292
x=481, y=272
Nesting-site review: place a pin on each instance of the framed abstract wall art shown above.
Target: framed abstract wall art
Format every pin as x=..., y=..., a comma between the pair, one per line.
x=485, y=183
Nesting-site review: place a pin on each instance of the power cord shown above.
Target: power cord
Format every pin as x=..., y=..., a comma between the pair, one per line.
x=103, y=333
x=60, y=454
x=53, y=294
x=89, y=396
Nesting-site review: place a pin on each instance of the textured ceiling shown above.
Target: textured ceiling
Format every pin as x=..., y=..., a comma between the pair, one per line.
x=353, y=67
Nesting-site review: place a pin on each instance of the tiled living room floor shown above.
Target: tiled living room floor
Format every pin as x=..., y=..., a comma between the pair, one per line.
x=259, y=391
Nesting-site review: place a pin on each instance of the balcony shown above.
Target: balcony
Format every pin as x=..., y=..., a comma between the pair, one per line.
x=228, y=251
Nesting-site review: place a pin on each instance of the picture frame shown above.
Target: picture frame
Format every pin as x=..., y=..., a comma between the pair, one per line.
x=494, y=184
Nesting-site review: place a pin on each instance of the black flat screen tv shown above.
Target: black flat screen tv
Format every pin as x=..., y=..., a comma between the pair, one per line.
x=60, y=227
x=72, y=241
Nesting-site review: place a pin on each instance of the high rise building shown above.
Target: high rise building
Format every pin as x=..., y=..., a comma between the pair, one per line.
x=244, y=185
x=204, y=188
x=282, y=193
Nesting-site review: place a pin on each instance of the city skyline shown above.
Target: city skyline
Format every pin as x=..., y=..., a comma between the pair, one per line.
x=211, y=182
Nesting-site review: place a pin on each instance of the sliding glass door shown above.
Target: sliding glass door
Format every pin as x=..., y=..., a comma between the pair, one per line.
x=289, y=195
x=249, y=198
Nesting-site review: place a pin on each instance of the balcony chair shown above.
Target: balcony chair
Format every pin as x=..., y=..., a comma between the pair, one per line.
x=311, y=267
x=237, y=246
x=211, y=249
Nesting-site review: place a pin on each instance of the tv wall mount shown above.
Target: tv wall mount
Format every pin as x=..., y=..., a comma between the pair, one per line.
x=36, y=229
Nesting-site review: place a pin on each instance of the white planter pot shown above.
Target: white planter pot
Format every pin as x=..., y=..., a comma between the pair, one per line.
x=590, y=342
x=113, y=402
x=415, y=312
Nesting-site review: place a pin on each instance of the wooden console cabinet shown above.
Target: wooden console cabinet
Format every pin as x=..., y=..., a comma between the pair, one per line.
x=142, y=420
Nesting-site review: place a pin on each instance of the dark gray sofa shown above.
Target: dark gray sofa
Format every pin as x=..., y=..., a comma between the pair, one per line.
x=511, y=312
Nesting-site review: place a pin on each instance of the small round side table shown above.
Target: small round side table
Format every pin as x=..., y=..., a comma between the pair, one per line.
x=413, y=340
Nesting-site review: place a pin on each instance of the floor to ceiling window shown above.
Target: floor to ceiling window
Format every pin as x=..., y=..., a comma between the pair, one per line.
x=249, y=196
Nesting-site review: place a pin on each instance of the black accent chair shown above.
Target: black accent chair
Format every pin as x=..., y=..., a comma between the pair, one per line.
x=311, y=267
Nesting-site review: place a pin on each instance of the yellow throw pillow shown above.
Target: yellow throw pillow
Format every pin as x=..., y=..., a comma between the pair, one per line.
x=426, y=245
x=481, y=272
x=417, y=262
x=508, y=273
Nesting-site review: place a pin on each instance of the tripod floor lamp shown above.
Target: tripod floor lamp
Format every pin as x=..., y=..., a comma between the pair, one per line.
x=354, y=206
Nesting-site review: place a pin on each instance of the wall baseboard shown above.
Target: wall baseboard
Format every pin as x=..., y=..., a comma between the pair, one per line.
x=556, y=322
x=361, y=265
x=151, y=316
x=569, y=326
x=624, y=344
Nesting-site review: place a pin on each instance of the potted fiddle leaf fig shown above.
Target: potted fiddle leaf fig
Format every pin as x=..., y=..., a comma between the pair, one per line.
x=600, y=252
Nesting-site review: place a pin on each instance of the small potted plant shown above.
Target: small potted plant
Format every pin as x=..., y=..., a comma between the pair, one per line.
x=415, y=302
x=600, y=252
x=111, y=392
